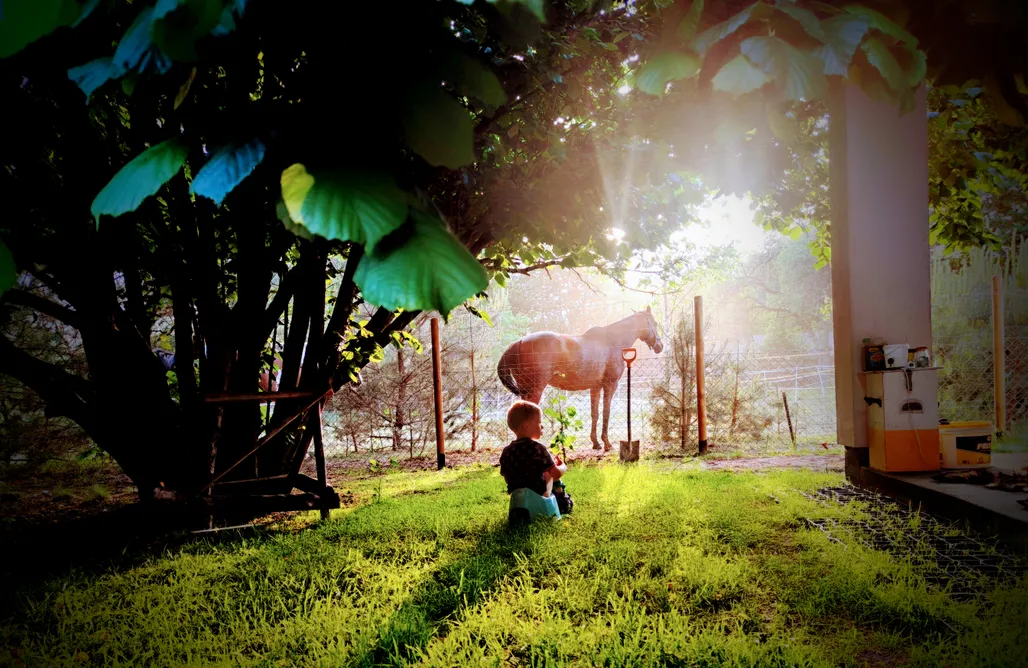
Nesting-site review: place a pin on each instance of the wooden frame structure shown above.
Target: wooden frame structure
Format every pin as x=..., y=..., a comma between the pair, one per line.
x=274, y=493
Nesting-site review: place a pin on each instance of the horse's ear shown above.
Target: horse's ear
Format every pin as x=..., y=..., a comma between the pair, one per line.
x=648, y=309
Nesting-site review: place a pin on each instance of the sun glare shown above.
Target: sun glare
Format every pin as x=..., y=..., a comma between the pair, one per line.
x=729, y=220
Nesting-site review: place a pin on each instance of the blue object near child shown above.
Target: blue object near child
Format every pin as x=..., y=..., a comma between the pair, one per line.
x=524, y=501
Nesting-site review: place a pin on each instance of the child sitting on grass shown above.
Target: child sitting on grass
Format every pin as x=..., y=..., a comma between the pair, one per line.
x=528, y=467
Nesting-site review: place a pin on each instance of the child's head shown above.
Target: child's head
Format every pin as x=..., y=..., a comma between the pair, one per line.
x=525, y=419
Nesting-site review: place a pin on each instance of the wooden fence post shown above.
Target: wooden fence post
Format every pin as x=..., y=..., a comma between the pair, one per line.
x=999, y=361
x=437, y=381
x=788, y=419
x=319, y=459
x=701, y=399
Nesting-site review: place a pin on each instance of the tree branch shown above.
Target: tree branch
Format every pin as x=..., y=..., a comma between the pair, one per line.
x=525, y=270
x=43, y=305
x=286, y=290
x=64, y=393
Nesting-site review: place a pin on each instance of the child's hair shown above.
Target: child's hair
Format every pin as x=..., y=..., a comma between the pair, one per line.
x=519, y=412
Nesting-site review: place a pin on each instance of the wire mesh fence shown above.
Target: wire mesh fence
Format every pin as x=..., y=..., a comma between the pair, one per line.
x=756, y=402
x=391, y=416
x=966, y=381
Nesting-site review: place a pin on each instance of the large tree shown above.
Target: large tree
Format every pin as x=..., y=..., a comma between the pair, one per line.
x=217, y=162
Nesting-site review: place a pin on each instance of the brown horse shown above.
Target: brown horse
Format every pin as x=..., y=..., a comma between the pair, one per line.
x=591, y=362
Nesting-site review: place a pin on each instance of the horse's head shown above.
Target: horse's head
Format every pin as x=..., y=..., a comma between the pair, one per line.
x=648, y=333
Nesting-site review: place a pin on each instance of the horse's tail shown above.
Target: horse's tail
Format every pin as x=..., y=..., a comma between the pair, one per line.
x=504, y=369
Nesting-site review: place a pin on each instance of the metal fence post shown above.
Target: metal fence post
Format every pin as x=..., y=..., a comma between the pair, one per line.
x=999, y=356
x=701, y=400
x=437, y=381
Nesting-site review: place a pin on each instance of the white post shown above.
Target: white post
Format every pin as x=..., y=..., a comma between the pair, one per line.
x=880, y=253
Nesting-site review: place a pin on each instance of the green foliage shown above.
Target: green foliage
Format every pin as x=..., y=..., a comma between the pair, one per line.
x=739, y=76
x=803, y=47
x=158, y=36
x=226, y=169
x=25, y=21
x=885, y=62
x=136, y=51
x=973, y=158
x=362, y=208
x=8, y=270
x=426, y=267
x=474, y=78
x=94, y=74
x=651, y=568
x=178, y=24
x=797, y=72
x=664, y=68
x=843, y=36
x=439, y=129
x=139, y=179
x=567, y=423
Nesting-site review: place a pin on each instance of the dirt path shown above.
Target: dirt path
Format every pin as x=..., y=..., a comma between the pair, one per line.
x=807, y=462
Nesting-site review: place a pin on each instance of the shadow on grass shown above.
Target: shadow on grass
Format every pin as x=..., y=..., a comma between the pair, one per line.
x=452, y=588
x=122, y=538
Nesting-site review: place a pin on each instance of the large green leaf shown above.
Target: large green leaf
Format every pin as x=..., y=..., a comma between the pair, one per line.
x=8, y=271
x=136, y=51
x=296, y=183
x=691, y=23
x=140, y=178
x=355, y=206
x=667, y=66
x=474, y=78
x=426, y=269
x=87, y=8
x=94, y=74
x=226, y=169
x=883, y=24
x=917, y=68
x=227, y=23
x=799, y=73
x=807, y=19
x=439, y=129
x=739, y=76
x=537, y=7
x=715, y=34
x=22, y=22
x=885, y=62
x=178, y=24
x=291, y=225
x=843, y=34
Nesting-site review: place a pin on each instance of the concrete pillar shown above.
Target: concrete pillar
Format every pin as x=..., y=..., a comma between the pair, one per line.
x=880, y=253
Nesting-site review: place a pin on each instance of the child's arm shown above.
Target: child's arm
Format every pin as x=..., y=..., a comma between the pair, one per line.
x=549, y=484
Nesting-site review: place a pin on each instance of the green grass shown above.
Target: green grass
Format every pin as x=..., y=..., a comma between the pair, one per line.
x=1014, y=440
x=679, y=568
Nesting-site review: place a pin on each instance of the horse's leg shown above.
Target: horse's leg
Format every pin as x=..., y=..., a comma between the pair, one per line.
x=594, y=397
x=608, y=394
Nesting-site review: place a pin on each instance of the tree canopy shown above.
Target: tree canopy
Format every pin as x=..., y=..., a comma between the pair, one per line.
x=218, y=163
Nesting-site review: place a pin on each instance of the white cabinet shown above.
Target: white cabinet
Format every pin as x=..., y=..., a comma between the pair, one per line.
x=903, y=419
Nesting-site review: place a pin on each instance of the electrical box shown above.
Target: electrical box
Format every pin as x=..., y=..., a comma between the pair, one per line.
x=903, y=419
